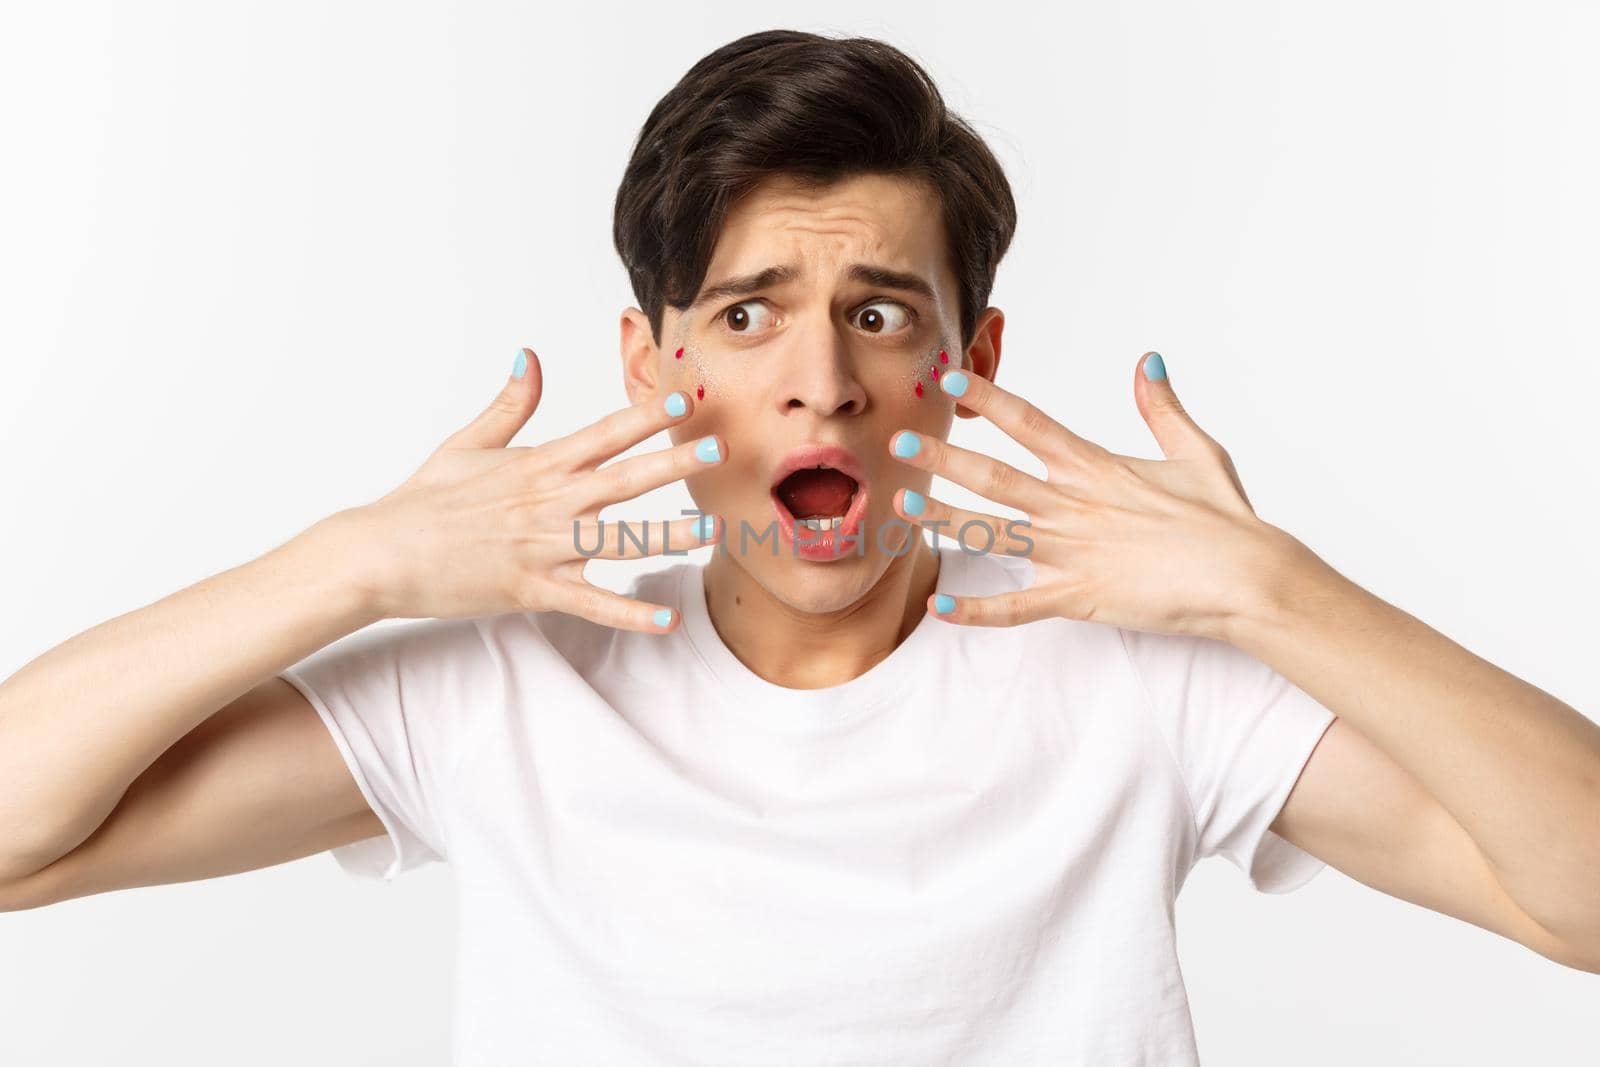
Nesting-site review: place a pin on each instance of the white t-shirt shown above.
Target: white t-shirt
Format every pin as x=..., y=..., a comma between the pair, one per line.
x=968, y=854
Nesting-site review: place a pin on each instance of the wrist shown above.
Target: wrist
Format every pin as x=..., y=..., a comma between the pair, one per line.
x=341, y=549
x=1287, y=580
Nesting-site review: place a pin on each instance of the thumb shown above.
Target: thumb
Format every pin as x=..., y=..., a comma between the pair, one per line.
x=1177, y=434
x=507, y=412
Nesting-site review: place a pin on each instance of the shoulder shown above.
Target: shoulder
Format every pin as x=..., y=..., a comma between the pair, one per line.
x=399, y=646
x=1190, y=664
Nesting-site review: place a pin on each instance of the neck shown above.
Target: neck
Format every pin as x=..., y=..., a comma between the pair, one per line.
x=813, y=650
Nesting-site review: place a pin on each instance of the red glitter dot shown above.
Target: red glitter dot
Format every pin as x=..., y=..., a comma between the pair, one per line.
x=942, y=357
x=679, y=355
x=919, y=388
x=700, y=392
x=936, y=374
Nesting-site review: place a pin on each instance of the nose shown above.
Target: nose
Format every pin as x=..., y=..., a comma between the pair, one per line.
x=822, y=377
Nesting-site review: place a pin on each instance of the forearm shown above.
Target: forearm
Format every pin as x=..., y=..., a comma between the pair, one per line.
x=1517, y=768
x=79, y=723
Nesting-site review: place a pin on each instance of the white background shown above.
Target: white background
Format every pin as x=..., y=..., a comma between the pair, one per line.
x=259, y=258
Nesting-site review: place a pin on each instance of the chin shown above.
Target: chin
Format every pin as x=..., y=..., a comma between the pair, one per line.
x=814, y=588
x=818, y=586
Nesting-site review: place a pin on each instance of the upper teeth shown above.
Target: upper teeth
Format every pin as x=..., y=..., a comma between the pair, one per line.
x=822, y=524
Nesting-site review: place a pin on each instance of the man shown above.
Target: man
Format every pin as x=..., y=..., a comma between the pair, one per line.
x=837, y=795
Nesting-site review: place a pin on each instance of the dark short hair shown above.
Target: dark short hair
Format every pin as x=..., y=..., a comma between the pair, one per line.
x=816, y=109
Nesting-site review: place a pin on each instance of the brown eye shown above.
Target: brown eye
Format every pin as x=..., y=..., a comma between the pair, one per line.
x=874, y=321
x=737, y=318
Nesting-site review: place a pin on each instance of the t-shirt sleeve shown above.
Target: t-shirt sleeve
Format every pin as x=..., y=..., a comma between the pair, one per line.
x=395, y=697
x=1240, y=733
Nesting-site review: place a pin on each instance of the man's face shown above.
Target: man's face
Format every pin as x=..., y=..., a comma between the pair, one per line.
x=830, y=355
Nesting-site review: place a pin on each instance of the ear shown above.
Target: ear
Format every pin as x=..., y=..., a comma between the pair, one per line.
x=982, y=357
x=640, y=356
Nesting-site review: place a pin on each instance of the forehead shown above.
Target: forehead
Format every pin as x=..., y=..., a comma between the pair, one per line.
x=888, y=221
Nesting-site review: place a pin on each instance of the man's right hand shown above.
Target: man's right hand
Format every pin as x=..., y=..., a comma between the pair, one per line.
x=482, y=528
x=161, y=746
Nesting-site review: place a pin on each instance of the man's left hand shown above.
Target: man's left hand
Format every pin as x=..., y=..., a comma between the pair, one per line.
x=1170, y=545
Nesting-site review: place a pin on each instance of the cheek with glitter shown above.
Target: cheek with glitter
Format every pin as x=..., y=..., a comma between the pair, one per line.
x=929, y=370
x=695, y=367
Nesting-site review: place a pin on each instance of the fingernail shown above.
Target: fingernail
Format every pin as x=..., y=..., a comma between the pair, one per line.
x=519, y=366
x=955, y=383
x=707, y=451
x=913, y=502
x=676, y=404
x=1155, y=368
x=705, y=526
x=944, y=605
x=663, y=617
x=907, y=444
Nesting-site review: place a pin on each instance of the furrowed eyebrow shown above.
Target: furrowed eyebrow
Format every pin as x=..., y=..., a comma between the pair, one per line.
x=882, y=277
x=745, y=284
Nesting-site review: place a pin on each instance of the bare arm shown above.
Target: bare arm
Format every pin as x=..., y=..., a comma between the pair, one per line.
x=260, y=782
x=1359, y=811
x=160, y=746
x=82, y=722
x=1447, y=781
x=1468, y=790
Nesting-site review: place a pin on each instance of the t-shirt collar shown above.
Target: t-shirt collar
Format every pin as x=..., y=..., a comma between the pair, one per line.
x=778, y=705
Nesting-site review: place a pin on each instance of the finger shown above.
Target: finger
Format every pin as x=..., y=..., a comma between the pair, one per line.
x=1021, y=420
x=619, y=431
x=983, y=474
x=506, y=414
x=973, y=530
x=627, y=539
x=1000, y=609
x=1179, y=436
x=590, y=601
x=627, y=478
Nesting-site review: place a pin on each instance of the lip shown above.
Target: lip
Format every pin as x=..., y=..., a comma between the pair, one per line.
x=821, y=547
x=811, y=454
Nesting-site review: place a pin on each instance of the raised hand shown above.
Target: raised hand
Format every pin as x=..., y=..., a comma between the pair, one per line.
x=482, y=528
x=1168, y=545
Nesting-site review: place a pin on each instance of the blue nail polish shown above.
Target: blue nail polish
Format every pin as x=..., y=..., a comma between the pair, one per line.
x=705, y=526
x=913, y=503
x=519, y=366
x=707, y=451
x=944, y=605
x=1155, y=368
x=907, y=444
x=663, y=617
x=676, y=404
x=955, y=383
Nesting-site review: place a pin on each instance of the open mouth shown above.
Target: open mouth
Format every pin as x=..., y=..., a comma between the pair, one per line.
x=817, y=497
x=820, y=497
